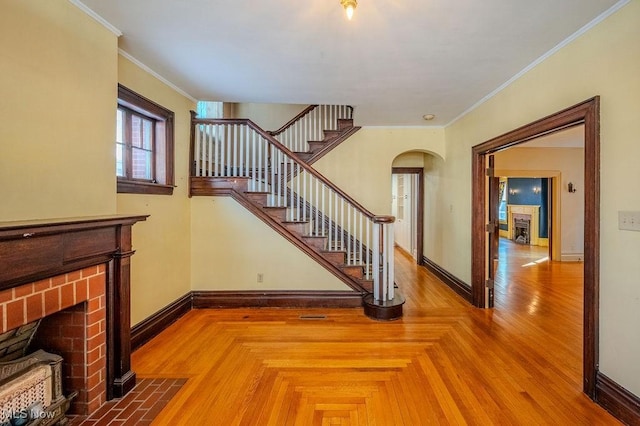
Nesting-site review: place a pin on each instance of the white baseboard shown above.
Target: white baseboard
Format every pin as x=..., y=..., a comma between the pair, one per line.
x=572, y=257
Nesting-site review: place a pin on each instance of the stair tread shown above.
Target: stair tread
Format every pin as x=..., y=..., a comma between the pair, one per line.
x=304, y=222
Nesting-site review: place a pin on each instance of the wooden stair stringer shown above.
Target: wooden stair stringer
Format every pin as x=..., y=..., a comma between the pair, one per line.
x=331, y=144
x=260, y=213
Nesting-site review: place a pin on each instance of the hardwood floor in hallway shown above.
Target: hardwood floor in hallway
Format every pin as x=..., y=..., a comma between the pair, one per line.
x=273, y=367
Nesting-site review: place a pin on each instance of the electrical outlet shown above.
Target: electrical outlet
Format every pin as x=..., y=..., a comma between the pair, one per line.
x=260, y=277
x=629, y=220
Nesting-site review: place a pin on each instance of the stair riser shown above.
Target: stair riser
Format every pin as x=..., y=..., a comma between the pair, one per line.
x=278, y=214
x=259, y=199
x=337, y=259
x=345, y=123
x=353, y=271
x=318, y=244
x=297, y=228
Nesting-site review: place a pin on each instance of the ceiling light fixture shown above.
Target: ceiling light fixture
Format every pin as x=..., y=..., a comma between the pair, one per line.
x=349, y=7
x=429, y=117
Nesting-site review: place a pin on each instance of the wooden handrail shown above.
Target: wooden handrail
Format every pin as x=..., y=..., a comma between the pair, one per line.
x=293, y=120
x=273, y=141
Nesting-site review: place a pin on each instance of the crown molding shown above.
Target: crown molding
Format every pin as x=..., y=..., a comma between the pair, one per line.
x=156, y=75
x=604, y=15
x=83, y=7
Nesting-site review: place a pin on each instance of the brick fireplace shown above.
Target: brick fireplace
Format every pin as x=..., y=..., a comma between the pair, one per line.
x=74, y=274
x=73, y=311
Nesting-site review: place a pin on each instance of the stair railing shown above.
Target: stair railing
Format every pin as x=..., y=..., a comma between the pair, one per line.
x=310, y=125
x=230, y=148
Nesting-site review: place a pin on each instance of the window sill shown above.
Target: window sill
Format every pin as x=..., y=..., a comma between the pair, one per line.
x=133, y=187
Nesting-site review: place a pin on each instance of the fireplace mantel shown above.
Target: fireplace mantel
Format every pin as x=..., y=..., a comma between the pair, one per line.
x=531, y=210
x=40, y=249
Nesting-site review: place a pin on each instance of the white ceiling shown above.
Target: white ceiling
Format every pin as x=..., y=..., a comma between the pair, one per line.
x=573, y=137
x=394, y=62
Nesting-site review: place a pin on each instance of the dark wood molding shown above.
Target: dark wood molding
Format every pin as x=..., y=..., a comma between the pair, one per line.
x=455, y=283
x=153, y=325
x=35, y=250
x=149, y=188
x=389, y=310
x=38, y=249
x=420, y=219
x=624, y=405
x=165, y=153
x=586, y=113
x=276, y=299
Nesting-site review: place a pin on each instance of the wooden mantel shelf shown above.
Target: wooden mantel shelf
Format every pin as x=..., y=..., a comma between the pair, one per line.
x=39, y=249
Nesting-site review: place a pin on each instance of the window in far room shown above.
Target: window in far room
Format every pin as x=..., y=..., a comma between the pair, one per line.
x=144, y=145
x=502, y=209
x=210, y=109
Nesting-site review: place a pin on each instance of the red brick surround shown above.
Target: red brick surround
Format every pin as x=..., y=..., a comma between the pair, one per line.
x=74, y=305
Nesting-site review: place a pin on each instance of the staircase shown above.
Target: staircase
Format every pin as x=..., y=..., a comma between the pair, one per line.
x=316, y=131
x=235, y=157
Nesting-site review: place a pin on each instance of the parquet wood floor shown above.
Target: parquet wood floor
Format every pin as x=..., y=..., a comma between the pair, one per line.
x=270, y=367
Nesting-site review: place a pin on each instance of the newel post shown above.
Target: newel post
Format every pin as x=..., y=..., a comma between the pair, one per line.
x=385, y=303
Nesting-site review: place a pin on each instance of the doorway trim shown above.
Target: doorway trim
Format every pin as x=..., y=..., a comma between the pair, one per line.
x=587, y=113
x=420, y=213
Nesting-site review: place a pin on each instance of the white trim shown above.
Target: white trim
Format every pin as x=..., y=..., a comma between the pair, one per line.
x=83, y=7
x=402, y=127
x=572, y=257
x=156, y=75
x=604, y=15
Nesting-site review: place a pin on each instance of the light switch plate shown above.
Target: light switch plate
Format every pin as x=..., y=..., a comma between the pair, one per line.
x=629, y=220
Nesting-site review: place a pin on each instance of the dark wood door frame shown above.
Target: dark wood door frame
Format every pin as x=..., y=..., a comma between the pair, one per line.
x=420, y=202
x=587, y=113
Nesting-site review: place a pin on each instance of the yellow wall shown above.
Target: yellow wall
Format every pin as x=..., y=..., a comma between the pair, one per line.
x=361, y=165
x=267, y=116
x=160, y=270
x=567, y=164
x=230, y=246
x=409, y=159
x=604, y=61
x=58, y=80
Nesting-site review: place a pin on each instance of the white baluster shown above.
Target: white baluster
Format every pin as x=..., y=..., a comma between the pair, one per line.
x=196, y=154
x=342, y=247
x=376, y=262
x=322, y=211
x=316, y=205
x=241, y=148
x=368, y=244
x=360, y=237
x=272, y=190
x=331, y=219
x=279, y=178
x=304, y=195
x=349, y=233
x=385, y=264
x=390, y=260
